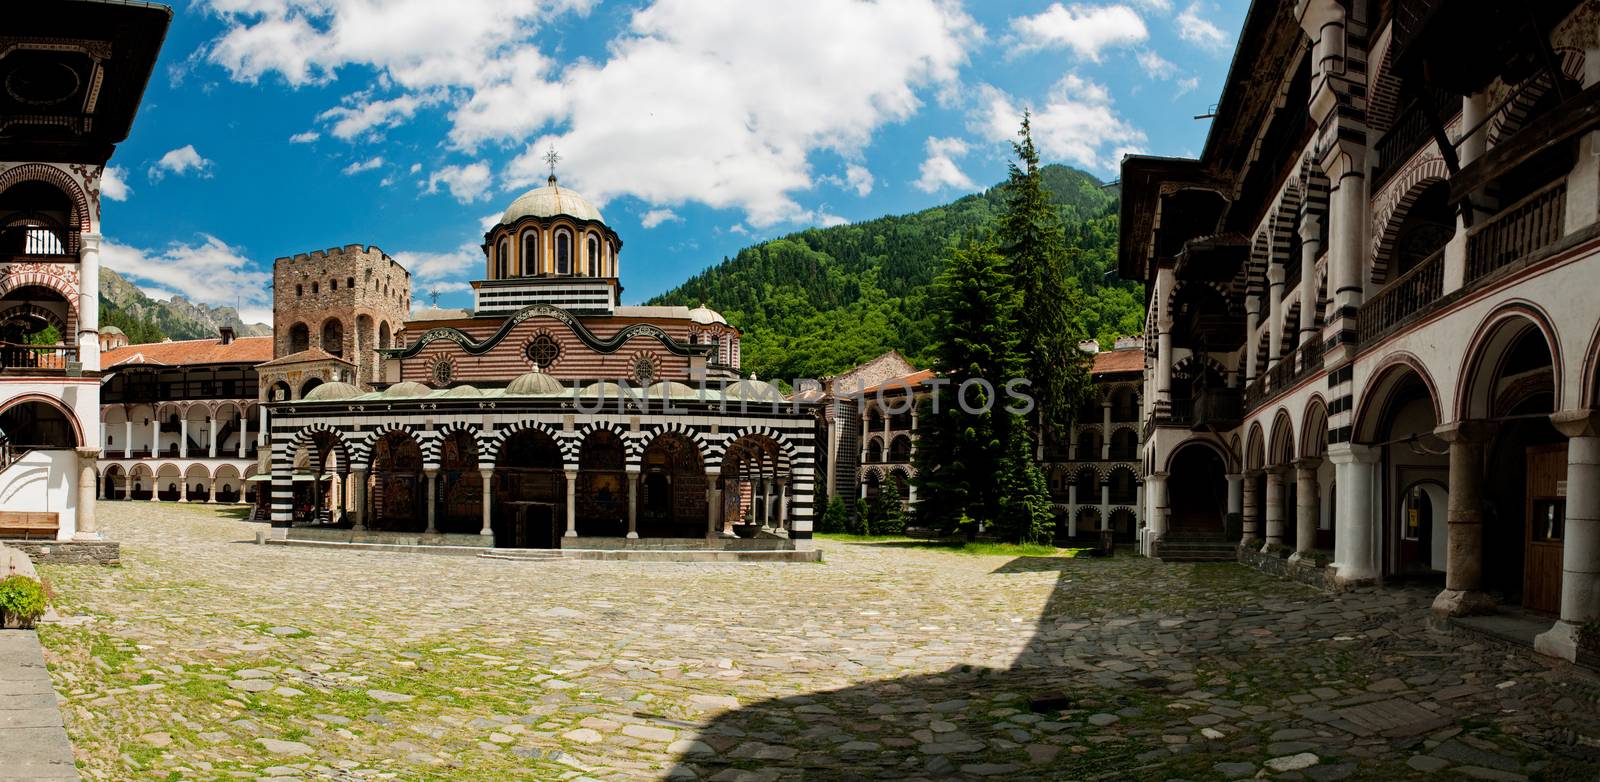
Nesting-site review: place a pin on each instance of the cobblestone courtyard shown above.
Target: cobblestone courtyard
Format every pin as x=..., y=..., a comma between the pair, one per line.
x=206, y=657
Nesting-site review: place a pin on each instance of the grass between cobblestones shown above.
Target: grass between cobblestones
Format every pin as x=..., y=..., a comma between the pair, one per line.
x=956, y=546
x=206, y=657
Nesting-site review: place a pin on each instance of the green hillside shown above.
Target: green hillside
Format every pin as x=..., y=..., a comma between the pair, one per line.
x=822, y=300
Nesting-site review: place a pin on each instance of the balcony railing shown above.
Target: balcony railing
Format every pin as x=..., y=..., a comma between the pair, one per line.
x=1411, y=293
x=1411, y=130
x=23, y=359
x=1531, y=224
x=1220, y=408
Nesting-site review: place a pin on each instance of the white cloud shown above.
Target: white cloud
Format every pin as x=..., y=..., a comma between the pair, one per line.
x=208, y=271
x=467, y=183
x=114, y=184
x=363, y=165
x=1155, y=5
x=1186, y=86
x=1198, y=30
x=720, y=104
x=656, y=217
x=1086, y=30
x=939, y=170
x=858, y=178
x=1155, y=66
x=305, y=137
x=180, y=161
x=829, y=220
x=443, y=271
x=362, y=117
x=1077, y=124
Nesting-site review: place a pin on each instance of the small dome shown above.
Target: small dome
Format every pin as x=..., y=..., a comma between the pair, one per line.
x=535, y=383
x=753, y=390
x=406, y=389
x=605, y=388
x=110, y=330
x=549, y=201
x=706, y=316
x=463, y=391
x=329, y=392
x=671, y=389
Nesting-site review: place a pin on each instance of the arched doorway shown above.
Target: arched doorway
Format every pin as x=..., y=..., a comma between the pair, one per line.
x=35, y=424
x=460, y=484
x=673, y=496
x=1512, y=382
x=602, y=490
x=530, y=493
x=1399, y=419
x=399, y=492
x=1197, y=493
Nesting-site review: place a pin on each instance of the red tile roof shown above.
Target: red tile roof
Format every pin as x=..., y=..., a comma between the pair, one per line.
x=912, y=380
x=242, y=350
x=309, y=354
x=1114, y=361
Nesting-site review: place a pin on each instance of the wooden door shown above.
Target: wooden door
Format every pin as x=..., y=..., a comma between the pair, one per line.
x=1545, y=513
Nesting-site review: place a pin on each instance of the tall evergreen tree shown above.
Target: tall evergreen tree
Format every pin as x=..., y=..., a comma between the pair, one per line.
x=964, y=451
x=1034, y=244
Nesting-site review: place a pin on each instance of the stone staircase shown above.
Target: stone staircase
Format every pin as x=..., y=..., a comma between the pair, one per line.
x=523, y=554
x=1196, y=550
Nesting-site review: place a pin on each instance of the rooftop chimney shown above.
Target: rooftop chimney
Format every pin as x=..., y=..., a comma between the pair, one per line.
x=227, y=335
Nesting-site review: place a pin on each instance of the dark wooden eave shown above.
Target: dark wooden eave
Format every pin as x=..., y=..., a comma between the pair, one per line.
x=1212, y=258
x=1575, y=116
x=72, y=74
x=1143, y=179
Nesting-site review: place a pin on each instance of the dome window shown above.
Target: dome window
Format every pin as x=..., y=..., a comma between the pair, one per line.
x=530, y=253
x=502, y=258
x=594, y=256
x=563, y=253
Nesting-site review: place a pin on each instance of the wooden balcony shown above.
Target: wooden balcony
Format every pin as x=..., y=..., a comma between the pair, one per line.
x=1412, y=293
x=1410, y=132
x=1521, y=229
x=38, y=360
x=1218, y=408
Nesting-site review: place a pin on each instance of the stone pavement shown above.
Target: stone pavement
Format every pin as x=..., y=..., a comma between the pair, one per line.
x=206, y=657
x=33, y=744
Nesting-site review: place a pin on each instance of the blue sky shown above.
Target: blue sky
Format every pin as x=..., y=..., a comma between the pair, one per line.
x=272, y=127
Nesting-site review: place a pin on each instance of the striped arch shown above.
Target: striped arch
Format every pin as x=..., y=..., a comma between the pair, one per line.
x=1514, y=116
x=1401, y=192
x=82, y=220
x=1283, y=220
x=370, y=441
x=786, y=449
x=582, y=435
x=79, y=439
x=711, y=457
x=491, y=444
x=307, y=436
x=1099, y=476
x=61, y=279
x=433, y=447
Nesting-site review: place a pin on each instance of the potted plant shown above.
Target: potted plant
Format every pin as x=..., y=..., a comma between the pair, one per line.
x=746, y=530
x=21, y=601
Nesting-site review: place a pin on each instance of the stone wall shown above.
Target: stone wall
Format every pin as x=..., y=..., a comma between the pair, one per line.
x=1310, y=572
x=71, y=552
x=361, y=288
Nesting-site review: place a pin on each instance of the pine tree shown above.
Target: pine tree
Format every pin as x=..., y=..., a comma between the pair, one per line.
x=1034, y=244
x=888, y=517
x=836, y=517
x=976, y=341
x=1025, y=511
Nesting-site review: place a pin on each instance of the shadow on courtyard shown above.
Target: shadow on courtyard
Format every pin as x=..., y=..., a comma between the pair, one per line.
x=965, y=721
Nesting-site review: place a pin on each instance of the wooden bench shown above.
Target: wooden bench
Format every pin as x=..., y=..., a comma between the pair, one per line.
x=28, y=525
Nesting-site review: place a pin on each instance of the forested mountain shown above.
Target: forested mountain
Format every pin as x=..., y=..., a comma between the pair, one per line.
x=144, y=319
x=820, y=301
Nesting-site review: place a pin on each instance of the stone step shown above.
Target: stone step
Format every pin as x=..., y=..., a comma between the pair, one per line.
x=534, y=555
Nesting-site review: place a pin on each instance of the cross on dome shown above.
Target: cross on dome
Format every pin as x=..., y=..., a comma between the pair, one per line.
x=552, y=158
